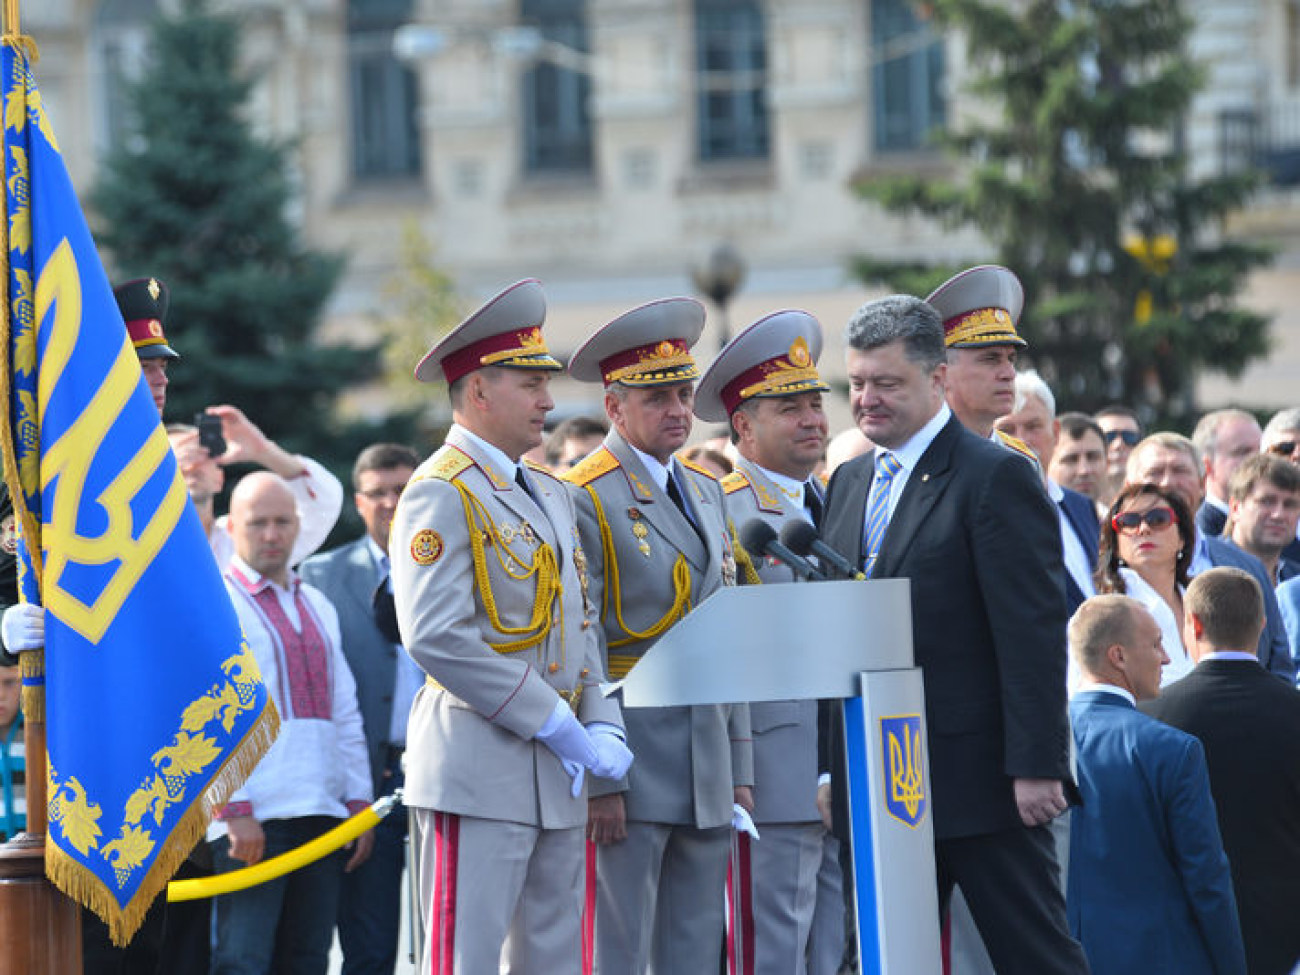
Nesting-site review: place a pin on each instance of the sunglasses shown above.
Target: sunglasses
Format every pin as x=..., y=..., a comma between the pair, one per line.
x=1130, y=437
x=1128, y=522
x=1283, y=448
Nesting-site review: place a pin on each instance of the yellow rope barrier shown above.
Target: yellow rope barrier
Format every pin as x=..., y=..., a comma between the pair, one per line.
x=259, y=873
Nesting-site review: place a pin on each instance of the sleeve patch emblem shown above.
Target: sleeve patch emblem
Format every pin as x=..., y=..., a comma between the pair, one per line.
x=426, y=547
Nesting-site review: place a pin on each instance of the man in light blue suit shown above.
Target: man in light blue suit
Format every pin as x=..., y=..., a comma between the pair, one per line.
x=1150, y=891
x=355, y=578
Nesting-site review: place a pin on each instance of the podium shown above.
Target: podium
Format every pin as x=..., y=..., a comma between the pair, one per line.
x=849, y=640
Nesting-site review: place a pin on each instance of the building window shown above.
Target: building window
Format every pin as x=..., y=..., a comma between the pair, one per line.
x=384, y=94
x=557, y=122
x=120, y=48
x=731, y=77
x=907, y=77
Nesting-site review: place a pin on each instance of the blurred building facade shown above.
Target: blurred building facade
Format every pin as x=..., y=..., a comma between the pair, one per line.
x=613, y=144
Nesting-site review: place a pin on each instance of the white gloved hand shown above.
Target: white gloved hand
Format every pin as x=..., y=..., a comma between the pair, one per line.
x=23, y=627
x=613, y=757
x=741, y=821
x=577, y=773
x=563, y=734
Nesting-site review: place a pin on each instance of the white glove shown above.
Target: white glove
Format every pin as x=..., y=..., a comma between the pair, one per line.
x=23, y=627
x=612, y=754
x=576, y=772
x=564, y=734
x=741, y=821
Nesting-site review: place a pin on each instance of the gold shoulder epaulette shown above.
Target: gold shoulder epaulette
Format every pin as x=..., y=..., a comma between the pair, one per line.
x=1016, y=444
x=592, y=467
x=734, y=481
x=448, y=463
x=698, y=469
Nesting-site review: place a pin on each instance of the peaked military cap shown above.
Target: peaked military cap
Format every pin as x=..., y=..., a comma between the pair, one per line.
x=647, y=346
x=775, y=356
x=143, y=304
x=980, y=306
x=506, y=331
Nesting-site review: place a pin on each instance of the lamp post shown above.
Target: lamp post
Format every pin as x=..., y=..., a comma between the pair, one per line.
x=718, y=277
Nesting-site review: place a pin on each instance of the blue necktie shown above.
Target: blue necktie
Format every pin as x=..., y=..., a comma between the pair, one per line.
x=887, y=465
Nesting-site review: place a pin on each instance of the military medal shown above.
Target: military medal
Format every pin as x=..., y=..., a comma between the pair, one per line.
x=640, y=531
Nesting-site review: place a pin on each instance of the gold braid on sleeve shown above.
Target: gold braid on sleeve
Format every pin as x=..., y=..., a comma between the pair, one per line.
x=681, y=586
x=543, y=567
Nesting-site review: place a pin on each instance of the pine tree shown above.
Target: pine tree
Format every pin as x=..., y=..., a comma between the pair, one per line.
x=1078, y=176
x=198, y=200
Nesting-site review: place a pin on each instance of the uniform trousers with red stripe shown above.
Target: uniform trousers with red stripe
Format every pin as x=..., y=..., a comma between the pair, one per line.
x=771, y=898
x=660, y=900
x=498, y=896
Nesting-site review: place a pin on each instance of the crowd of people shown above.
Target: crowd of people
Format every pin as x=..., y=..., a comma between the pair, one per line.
x=456, y=651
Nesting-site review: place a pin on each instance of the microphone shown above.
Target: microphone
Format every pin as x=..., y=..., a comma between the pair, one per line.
x=802, y=538
x=758, y=536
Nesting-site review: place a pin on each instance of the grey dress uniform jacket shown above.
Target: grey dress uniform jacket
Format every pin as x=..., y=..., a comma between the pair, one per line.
x=645, y=559
x=468, y=608
x=784, y=732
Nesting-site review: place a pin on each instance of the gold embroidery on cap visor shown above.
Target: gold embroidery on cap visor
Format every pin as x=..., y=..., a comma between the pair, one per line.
x=983, y=326
x=531, y=353
x=796, y=373
x=426, y=547
x=663, y=363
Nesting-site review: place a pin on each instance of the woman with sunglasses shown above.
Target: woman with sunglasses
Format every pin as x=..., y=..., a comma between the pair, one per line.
x=1146, y=548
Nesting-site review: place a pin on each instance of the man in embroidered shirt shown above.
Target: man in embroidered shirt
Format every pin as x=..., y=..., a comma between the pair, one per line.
x=355, y=578
x=316, y=773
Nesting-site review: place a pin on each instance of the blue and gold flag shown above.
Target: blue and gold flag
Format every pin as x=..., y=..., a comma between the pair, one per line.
x=154, y=706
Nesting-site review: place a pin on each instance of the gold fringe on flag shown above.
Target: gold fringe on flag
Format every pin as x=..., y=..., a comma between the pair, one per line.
x=82, y=886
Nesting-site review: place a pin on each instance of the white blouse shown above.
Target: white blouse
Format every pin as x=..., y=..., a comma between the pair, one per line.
x=1171, y=628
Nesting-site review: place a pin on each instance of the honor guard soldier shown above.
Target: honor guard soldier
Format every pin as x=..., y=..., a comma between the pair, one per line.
x=143, y=304
x=980, y=309
x=492, y=603
x=659, y=542
x=766, y=386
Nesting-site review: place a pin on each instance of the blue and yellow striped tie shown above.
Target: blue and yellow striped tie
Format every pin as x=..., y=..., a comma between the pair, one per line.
x=887, y=465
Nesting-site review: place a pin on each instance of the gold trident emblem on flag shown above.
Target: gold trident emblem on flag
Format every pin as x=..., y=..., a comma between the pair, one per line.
x=905, y=784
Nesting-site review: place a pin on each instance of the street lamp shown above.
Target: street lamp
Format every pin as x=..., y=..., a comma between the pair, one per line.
x=718, y=277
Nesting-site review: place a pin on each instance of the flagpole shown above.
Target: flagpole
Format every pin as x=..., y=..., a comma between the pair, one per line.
x=40, y=928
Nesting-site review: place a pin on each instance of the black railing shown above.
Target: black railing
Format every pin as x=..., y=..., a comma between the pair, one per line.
x=1267, y=139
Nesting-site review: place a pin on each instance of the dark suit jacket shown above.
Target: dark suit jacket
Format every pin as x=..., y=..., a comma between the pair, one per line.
x=1249, y=723
x=1082, y=517
x=1210, y=521
x=1150, y=892
x=1274, y=652
x=977, y=536
x=347, y=576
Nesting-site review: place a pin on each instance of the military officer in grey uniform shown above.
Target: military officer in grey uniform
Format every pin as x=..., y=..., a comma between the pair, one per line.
x=491, y=597
x=766, y=386
x=659, y=543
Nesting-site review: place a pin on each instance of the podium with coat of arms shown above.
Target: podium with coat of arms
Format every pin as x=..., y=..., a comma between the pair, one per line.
x=850, y=640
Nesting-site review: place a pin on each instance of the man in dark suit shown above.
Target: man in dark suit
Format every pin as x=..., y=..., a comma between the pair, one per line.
x=355, y=578
x=1264, y=506
x=1224, y=439
x=969, y=524
x=1033, y=421
x=1170, y=461
x=1249, y=723
x=1149, y=890
x=1281, y=438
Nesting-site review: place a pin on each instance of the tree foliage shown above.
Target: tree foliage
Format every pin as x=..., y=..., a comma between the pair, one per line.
x=198, y=199
x=1074, y=168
